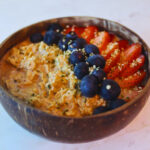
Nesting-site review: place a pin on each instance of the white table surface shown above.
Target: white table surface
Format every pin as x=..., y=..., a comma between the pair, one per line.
x=135, y=14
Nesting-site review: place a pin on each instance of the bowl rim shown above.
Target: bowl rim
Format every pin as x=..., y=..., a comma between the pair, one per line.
x=108, y=113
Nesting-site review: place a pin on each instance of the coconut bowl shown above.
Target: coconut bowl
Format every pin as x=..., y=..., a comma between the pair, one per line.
x=69, y=129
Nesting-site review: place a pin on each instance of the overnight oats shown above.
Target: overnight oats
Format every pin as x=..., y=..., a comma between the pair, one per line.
x=74, y=71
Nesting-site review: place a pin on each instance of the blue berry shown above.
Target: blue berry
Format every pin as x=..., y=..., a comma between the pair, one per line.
x=90, y=48
x=71, y=35
x=89, y=86
x=81, y=69
x=109, y=90
x=99, y=110
x=63, y=43
x=77, y=44
x=35, y=38
x=99, y=74
x=55, y=27
x=116, y=103
x=51, y=37
x=96, y=60
x=76, y=57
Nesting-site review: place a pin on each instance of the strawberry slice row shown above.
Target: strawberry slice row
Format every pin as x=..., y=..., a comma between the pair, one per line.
x=131, y=60
x=128, y=70
x=129, y=67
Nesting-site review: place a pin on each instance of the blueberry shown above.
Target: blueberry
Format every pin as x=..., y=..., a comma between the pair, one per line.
x=77, y=44
x=55, y=27
x=96, y=60
x=76, y=57
x=99, y=110
x=52, y=37
x=63, y=43
x=81, y=69
x=99, y=74
x=35, y=38
x=89, y=86
x=116, y=103
x=71, y=35
x=109, y=89
x=90, y=48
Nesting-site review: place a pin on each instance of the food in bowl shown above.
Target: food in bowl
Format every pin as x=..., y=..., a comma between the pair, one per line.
x=74, y=71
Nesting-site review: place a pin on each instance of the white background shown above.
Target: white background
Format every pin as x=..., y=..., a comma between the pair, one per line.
x=135, y=14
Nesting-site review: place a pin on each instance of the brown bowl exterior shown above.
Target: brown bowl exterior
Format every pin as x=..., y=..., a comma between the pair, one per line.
x=67, y=129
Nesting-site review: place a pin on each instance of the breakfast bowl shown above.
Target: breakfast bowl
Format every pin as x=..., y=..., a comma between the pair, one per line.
x=66, y=128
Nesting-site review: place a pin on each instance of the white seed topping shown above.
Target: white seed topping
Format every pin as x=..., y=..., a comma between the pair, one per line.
x=63, y=40
x=67, y=26
x=69, y=42
x=94, y=66
x=108, y=87
x=119, y=67
x=133, y=64
x=139, y=60
x=57, y=30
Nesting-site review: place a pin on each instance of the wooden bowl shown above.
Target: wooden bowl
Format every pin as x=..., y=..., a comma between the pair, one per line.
x=68, y=129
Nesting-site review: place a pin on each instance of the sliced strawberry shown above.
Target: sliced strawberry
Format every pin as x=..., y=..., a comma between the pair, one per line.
x=112, y=61
x=77, y=30
x=132, y=80
x=134, y=66
x=110, y=49
x=89, y=33
x=132, y=52
x=67, y=30
x=101, y=41
x=123, y=67
x=112, y=37
x=123, y=44
x=116, y=70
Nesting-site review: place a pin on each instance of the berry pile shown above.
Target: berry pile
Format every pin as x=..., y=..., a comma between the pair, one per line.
x=92, y=68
